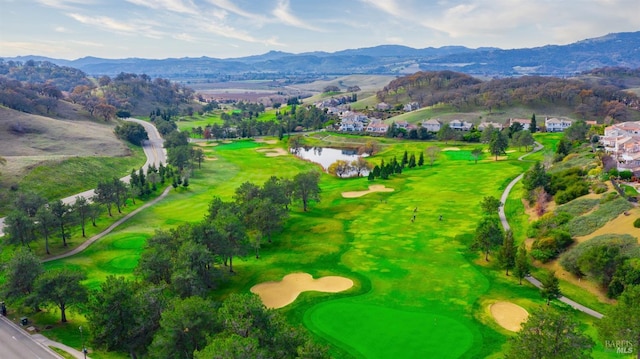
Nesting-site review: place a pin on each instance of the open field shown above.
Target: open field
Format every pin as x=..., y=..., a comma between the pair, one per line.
x=418, y=291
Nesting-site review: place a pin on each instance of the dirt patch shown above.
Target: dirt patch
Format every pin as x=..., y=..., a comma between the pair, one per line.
x=508, y=315
x=372, y=188
x=272, y=152
x=451, y=149
x=269, y=142
x=623, y=224
x=278, y=294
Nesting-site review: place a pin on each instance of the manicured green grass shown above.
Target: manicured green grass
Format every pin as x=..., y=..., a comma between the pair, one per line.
x=419, y=292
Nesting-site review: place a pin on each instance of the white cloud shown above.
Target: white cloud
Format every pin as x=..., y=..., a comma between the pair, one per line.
x=391, y=7
x=178, y=6
x=143, y=28
x=283, y=13
x=232, y=8
x=65, y=4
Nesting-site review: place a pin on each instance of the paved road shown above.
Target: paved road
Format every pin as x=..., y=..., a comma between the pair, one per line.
x=153, y=149
x=505, y=225
x=16, y=344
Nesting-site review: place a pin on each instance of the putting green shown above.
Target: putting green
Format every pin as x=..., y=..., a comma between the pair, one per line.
x=369, y=331
x=132, y=241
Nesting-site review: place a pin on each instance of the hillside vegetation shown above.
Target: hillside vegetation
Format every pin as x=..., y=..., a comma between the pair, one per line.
x=463, y=93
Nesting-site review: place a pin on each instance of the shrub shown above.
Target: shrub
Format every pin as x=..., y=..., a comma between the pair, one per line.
x=626, y=243
x=636, y=223
x=608, y=197
x=625, y=175
x=548, y=222
x=574, y=191
x=599, y=187
x=547, y=248
x=578, y=206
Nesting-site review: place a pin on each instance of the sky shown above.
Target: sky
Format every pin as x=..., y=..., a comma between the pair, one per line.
x=158, y=29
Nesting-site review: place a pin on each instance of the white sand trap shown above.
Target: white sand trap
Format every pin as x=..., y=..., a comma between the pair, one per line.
x=510, y=316
x=272, y=152
x=211, y=158
x=262, y=140
x=281, y=293
x=372, y=188
x=451, y=149
x=206, y=144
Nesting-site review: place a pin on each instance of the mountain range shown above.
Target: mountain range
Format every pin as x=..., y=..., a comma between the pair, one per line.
x=612, y=50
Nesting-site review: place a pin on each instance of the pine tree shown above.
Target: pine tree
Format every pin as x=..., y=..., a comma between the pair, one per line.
x=522, y=266
x=533, y=126
x=550, y=287
x=507, y=253
x=405, y=158
x=412, y=161
x=421, y=159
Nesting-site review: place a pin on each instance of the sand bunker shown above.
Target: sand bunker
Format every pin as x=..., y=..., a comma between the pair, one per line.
x=272, y=152
x=372, y=188
x=281, y=293
x=510, y=316
x=262, y=140
x=451, y=149
x=206, y=144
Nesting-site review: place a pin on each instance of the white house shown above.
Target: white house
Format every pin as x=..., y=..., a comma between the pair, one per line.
x=556, y=124
x=412, y=106
x=432, y=125
x=523, y=121
x=382, y=106
x=377, y=126
x=485, y=124
x=460, y=125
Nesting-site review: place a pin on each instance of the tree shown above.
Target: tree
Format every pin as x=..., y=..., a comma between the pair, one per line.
x=45, y=220
x=421, y=160
x=476, y=153
x=533, y=127
x=507, y=252
x=498, y=144
x=490, y=205
x=81, y=208
x=550, y=287
x=620, y=324
x=339, y=168
x=432, y=154
x=526, y=139
x=28, y=203
x=488, y=235
x=446, y=133
x=535, y=177
x=60, y=211
x=198, y=156
x=123, y=315
x=370, y=148
x=577, y=131
x=548, y=334
x=412, y=161
x=184, y=328
x=19, y=228
x=360, y=165
x=233, y=240
x=306, y=187
x=132, y=132
x=21, y=272
x=62, y=288
x=105, y=194
x=522, y=265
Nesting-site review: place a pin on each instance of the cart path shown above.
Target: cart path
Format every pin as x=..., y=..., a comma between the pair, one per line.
x=505, y=225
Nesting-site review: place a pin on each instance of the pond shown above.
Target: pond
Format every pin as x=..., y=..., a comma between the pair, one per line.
x=325, y=156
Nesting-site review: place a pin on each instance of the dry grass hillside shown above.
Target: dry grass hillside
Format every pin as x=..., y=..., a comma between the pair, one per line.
x=27, y=140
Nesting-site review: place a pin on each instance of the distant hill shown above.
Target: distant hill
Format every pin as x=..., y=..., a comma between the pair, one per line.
x=613, y=50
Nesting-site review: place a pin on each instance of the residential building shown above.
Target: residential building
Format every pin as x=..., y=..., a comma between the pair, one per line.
x=485, y=124
x=377, y=126
x=460, y=125
x=622, y=141
x=432, y=125
x=556, y=124
x=523, y=121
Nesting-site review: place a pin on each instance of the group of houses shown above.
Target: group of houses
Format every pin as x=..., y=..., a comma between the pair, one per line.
x=359, y=122
x=622, y=141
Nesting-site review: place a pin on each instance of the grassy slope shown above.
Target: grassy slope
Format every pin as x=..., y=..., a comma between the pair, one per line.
x=83, y=151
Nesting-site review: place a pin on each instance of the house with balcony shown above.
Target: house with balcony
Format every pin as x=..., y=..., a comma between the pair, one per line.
x=556, y=124
x=460, y=125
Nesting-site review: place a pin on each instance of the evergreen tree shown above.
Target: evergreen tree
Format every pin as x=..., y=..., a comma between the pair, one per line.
x=550, y=287
x=522, y=265
x=405, y=159
x=421, y=159
x=533, y=127
x=507, y=253
x=412, y=161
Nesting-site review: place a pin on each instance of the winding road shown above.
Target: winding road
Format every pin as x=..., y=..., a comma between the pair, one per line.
x=505, y=225
x=153, y=149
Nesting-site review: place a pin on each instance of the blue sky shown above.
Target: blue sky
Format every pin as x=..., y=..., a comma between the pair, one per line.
x=70, y=29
